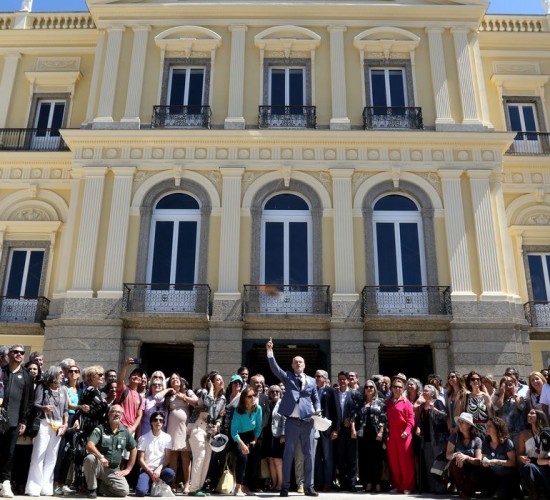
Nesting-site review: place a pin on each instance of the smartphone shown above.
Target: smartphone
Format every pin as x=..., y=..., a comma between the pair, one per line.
x=137, y=361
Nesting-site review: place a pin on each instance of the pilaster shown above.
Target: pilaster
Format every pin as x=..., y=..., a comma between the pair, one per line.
x=439, y=79
x=118, y=233
x=440, y=352
x=235, y=111
x=372, y=359
x=67, y=237
x=200, y=359
x=480, y=80
x=510, y=271
x=344, y=268
x=228, y=279
x=137, y=72
x=457, y=242
x=11, y=61
x=466, y=79
x=98, y=59
x=110, y=73
x=339, y=120
x=88, y=232
x=485, y=234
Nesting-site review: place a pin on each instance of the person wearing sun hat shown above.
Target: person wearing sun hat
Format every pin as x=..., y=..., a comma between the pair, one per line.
x=464, y=453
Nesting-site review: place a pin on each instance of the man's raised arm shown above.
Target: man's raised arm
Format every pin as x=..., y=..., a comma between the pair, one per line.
x=275, y=368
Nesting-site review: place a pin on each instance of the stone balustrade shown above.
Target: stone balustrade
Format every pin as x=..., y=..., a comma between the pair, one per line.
x=514, y=23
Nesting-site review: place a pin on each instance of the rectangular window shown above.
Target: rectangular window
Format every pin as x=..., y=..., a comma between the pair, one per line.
x=287, y=88
x=186, y=88
x=47, y=122
x=539, y=269
x=24, y=273
x=388, y=87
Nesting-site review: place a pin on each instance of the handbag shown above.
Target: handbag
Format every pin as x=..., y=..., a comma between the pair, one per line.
x=226, y=484
x=4, y=423
x=440, y=468
x=161, y=489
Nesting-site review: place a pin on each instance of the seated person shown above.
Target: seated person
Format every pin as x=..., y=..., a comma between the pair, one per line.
x=105, y=447
x=153, y=455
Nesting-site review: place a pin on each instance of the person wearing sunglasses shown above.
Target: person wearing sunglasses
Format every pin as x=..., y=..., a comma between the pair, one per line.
x=18, y=402
x=399, y=444
x=153, y=456
x=478, y=403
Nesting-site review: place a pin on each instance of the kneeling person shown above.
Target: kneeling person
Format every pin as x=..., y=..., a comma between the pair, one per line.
x=153, y=450
x=105, y=447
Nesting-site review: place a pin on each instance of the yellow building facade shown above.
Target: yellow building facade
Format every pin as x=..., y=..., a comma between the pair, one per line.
x=368, y=183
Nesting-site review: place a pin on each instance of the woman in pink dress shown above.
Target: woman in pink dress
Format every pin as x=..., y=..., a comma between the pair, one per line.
x=399, y=445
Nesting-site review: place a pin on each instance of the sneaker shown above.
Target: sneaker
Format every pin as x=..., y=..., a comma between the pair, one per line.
x=6, y=489
x=197, y=493
x=300, y=490
x=58, y=491
x=92, y=494
x=68, y=490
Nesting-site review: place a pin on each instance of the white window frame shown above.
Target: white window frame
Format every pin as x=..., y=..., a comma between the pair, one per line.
x=545, y=270
x=187, y=79
x=386, y=70
x=52, y=103
x=521, y=115
x=25, y=270
x=286, y=217
x=398, y=217
x=176, y=216
x=287, y=82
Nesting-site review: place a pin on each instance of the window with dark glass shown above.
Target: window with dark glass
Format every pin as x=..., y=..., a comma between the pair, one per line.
x=24, y=273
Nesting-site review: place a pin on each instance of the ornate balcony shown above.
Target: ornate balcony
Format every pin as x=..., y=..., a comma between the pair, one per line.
x=538, y=314
x=31, y=139
x=177, y=298
x=398, y=117
x=286, y=299
x=287, y=117
x=530, y=143
x=24, y=309
x=406, y=300
x=181, y=116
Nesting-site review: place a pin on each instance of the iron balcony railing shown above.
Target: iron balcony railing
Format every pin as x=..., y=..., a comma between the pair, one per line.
x=286, y=299
x=287, y=117
x=180, y=298
x=538, y=314
x=24, y=309
x=176, y=116
x=530, y=143
x=398, y=117
x=31, y=139
x=406, y=300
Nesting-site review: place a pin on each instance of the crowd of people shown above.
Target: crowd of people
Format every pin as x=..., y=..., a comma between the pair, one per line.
x=91, y=431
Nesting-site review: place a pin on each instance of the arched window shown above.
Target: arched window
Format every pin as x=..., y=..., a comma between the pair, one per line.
x=399, y=254
x=174, y=250
x=286, y=241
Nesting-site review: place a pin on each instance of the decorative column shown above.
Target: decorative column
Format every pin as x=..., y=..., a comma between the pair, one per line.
x=228, y=280
x=486, y=237
x=235, y=112
x=118, y=233
x=439, y=79
x=505, y=240
x=67, y=235
x=98, y=60
x=11, y=61
x=478, y=65
x=339, y=120
x=457, y=243
x=110, y=72
x=344, y=268
x=466, y=79
x=88, y=232
x=137, y=72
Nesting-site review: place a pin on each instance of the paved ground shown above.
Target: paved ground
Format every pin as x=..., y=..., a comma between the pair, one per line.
x=322, y=496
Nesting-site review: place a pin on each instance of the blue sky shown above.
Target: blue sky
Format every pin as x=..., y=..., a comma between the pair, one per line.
x=497, y=6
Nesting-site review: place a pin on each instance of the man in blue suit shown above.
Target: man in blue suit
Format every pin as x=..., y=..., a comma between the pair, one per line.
x=299, y=403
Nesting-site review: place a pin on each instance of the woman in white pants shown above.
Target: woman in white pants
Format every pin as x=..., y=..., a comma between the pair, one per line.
x=51, y=401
